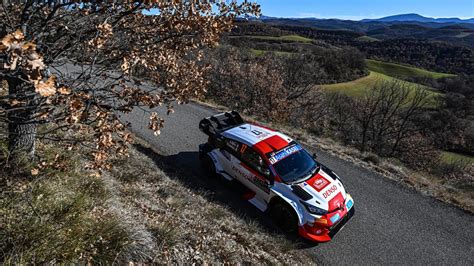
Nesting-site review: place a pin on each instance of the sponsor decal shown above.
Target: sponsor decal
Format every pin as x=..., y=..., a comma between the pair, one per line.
x=241, y=173
x=260, y=134
x=335, y=218
x=320, y=183
x=330, y=191
x=278, y=156
x=232, y=145
x=349, y=204
x=247, y=174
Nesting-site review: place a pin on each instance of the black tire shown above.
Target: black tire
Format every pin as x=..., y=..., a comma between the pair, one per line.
x=208, y=166
x=285, y=217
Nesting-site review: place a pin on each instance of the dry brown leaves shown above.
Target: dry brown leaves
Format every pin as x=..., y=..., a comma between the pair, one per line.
x=167, y=46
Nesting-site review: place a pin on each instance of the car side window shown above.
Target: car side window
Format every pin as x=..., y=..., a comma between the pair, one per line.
x=254, y=160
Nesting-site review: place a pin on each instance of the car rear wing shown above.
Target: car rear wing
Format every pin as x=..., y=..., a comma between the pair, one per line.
x=215, y=124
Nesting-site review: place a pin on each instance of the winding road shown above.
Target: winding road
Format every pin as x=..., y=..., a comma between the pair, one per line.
x=392, y=224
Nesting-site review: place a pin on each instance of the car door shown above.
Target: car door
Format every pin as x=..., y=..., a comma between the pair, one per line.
x=243, y=163
x=254, y=172
x=229, y=158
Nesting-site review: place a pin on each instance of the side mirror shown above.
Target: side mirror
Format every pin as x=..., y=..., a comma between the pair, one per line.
x=315, y=156
x=266, y=172
x=270, y=179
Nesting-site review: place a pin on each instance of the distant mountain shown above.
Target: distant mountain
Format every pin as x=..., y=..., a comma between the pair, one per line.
x=418, y=18
x=408, y=26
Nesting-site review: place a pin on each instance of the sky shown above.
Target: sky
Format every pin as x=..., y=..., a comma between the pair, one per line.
x=360, y=9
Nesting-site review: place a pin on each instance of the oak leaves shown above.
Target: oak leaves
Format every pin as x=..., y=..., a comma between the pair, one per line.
x=121, y=59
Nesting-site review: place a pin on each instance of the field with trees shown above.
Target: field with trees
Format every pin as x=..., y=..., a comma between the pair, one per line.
x=418, y=113
x=361, y=87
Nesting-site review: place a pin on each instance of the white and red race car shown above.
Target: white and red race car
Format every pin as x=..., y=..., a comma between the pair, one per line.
x=300, y=193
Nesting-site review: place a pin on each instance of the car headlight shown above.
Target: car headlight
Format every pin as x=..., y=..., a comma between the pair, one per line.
x=313, y=209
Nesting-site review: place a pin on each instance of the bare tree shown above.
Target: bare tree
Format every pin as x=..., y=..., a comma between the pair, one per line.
x=385, y=115
x=269, y=86
x=340, y=116
x=71, y=65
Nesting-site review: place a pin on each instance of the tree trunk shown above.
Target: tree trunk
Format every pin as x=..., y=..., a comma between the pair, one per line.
x=21, y=119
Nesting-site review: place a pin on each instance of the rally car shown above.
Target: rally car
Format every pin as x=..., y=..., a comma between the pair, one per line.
x=301, y=194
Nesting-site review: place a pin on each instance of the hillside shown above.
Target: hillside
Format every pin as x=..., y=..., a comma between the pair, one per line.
x=416, y=44
x=403, y=71
x=288, y=38
x=379, y=72
x=360, y=87
x=456, y=158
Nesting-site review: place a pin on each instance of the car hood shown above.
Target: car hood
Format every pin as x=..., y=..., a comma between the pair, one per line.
x=326, y=190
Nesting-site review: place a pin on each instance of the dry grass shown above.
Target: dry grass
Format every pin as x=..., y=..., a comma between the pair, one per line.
x=189, y=228
x=134, y=213
x=60, y=215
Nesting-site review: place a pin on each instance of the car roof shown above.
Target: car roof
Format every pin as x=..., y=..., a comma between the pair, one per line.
x=261, y=138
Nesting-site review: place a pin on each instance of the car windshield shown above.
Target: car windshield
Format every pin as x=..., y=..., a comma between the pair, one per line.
x=296, y=167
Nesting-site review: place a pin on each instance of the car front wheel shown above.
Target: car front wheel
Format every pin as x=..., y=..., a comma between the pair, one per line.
x=284, y=216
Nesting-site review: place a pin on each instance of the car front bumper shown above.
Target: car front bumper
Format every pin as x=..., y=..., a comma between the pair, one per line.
x=325, y=233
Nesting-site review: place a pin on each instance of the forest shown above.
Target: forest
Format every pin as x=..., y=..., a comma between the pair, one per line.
x=434, y=55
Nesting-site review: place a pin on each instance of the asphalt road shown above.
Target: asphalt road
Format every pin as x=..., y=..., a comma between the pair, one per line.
x=392, y=224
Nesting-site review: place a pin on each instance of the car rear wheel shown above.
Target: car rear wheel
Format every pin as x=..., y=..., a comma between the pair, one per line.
x=284, y=216
x=208, y=166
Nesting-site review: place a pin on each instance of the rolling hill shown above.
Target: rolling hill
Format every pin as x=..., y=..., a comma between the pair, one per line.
x=288, y=38
x=404, y=26
x=378, y=72
x=359, y=87
x=418, y=18
x=403, y=71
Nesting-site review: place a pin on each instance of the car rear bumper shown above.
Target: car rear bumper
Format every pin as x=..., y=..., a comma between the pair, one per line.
x=324, y=234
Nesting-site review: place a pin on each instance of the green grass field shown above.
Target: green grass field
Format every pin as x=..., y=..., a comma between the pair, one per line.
x=360, y=87
x=463, y=34
x=402, y=71
x=261, y=52
x=367, y=39
x=451, y=157
x=379, y=72
x=290, y=38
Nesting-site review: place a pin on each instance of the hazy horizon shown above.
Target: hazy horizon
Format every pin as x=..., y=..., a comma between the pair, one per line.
x=362, y=18
x=366, y=9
